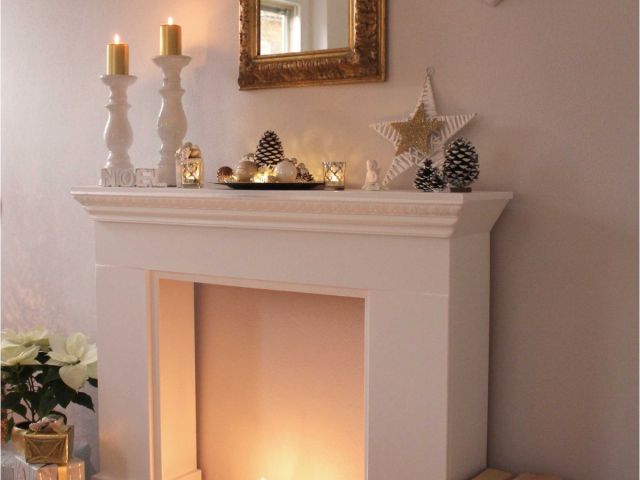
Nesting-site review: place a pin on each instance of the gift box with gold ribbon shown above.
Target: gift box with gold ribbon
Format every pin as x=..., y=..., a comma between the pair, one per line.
x=14, y=467
x=49, y=447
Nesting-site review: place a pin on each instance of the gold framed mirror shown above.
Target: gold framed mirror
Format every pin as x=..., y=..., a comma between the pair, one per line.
x=291, y=43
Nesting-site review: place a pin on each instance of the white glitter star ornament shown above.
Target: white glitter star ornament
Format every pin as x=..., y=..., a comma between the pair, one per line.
x=411, y=150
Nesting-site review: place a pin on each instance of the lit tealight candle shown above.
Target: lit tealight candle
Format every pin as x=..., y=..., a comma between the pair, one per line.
x=334, y=175
x=170, y=38
x=117, y=57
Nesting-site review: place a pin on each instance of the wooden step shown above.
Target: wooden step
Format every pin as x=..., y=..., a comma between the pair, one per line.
x=493, y=474
x=530, y=476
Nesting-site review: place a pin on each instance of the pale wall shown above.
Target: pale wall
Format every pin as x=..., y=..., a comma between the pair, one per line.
x=555, y=84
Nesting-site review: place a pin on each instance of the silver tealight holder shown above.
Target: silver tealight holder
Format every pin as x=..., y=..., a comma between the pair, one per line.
x=334, y=175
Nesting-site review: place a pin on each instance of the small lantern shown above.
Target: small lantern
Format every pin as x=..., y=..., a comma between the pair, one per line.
x=192, y=172
x=189, y=166
x=334, y=175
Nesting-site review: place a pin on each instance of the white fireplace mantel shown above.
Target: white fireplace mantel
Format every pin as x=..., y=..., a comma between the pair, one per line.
x=383, y=213
x=420, y=261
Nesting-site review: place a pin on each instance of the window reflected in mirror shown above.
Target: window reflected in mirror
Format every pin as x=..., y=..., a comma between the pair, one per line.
x=288, y=26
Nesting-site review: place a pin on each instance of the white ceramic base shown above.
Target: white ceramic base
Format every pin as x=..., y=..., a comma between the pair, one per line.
x=117, y=133
x=172, y=121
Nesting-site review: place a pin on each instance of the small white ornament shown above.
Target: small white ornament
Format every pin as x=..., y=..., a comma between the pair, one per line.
x=371, y=181
x=286, y=172
x=245, y=171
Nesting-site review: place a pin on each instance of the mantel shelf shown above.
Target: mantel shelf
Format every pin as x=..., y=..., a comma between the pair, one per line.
x=405, y=213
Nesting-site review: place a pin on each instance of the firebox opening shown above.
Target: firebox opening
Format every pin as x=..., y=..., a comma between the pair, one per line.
x=280, y=384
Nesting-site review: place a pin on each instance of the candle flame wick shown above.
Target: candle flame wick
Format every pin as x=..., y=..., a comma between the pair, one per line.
x=116, y=39
x=170, y=20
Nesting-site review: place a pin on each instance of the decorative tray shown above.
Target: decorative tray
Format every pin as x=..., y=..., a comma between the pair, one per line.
x=272, y=186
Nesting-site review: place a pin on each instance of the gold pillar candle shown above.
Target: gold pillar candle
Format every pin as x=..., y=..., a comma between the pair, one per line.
x=170, y=38
x=117, y=57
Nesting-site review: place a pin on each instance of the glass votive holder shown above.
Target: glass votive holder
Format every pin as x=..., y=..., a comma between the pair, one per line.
x=334, y=175
x=192, y=172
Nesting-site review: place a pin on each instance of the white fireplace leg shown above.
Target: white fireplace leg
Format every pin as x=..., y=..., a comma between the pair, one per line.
x=406, y=386
x=468, y=355
x=421, y=425
x=141, y=437
x=124, y=345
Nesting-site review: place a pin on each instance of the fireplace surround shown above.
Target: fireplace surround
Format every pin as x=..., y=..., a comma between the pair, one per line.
x=420, y=262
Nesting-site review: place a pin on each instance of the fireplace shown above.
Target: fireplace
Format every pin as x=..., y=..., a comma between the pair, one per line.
x=418, y=263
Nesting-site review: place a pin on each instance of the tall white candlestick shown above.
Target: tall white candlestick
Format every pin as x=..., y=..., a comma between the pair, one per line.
x=117, y=133
x=172, y=121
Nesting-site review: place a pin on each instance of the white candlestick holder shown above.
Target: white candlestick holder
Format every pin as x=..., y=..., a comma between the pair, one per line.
x=118, y=135
x=172, y=121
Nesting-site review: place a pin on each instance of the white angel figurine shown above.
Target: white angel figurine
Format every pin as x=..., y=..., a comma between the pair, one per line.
x=371, y=181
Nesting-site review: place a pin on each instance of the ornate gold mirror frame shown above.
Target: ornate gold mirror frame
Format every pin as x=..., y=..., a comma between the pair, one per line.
x=363, y=61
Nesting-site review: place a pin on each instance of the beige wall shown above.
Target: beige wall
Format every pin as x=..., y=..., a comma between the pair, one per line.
x=555, y=84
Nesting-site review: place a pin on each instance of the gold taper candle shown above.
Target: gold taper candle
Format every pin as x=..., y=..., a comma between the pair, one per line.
x=170, y=38
x=117, y=57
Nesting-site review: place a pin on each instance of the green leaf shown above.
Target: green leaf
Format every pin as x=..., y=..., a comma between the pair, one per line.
x=52, y=374
x=42, y=357
x=21, y=410
x=11, y=400
x=25, y=372
x=33, y=398
x=62, y=392
x=10, y=425
x=46, y=406
x=83, y=399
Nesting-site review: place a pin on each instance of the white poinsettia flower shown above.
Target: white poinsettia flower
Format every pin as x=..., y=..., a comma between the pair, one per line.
x=13, y=355
x=35, y=336
x=78, y=359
